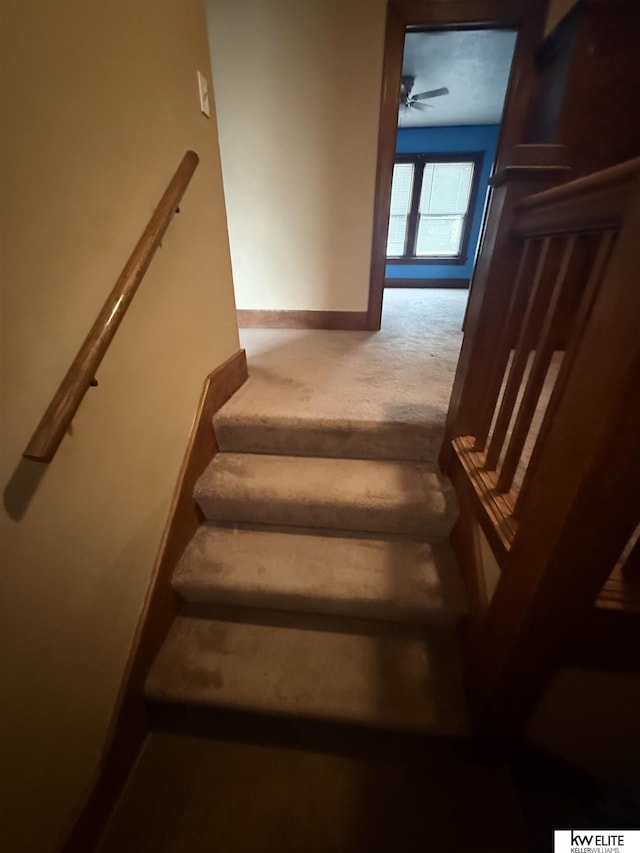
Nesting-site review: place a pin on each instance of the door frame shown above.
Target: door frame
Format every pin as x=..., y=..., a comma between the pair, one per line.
x=527, y=16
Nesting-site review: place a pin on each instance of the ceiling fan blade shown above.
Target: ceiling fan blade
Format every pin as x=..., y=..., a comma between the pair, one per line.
x=416, y=105
x=432, y=93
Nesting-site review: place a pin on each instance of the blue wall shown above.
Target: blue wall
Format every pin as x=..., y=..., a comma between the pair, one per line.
x=416, y=140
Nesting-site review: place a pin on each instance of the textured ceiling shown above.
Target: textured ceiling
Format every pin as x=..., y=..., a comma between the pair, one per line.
x=473, y=64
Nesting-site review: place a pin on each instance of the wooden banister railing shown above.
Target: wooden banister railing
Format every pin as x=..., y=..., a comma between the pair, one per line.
x=546, y=457
x=80, y=376
x=593, y=203
x=566, y=235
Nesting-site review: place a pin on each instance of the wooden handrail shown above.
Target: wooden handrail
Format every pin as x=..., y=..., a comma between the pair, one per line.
x=80, y=376
x=594, y=203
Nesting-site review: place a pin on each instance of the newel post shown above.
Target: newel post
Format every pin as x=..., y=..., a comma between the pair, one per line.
x=533, y=168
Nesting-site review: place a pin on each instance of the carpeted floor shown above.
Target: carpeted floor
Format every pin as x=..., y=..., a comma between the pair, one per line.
x=389, y=389
x=282, y=473
x=211, y=778
x=191, y=794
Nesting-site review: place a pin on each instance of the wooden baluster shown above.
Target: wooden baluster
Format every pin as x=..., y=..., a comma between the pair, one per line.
x=550, y=259
x=574, y=272
x=520, y=293
x=602, y=247
x=534, y=168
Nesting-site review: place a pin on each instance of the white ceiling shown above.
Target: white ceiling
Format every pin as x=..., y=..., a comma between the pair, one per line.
x=473, y=64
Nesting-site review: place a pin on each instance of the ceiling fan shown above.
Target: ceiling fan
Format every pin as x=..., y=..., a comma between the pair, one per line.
x=414, y=102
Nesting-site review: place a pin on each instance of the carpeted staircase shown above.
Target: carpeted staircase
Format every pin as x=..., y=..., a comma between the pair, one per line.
x=318, y=588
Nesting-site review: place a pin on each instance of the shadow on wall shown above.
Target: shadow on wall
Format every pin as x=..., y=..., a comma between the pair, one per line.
x=22, y=487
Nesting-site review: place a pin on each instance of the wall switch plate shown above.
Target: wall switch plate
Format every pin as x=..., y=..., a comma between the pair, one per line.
x=203, y=89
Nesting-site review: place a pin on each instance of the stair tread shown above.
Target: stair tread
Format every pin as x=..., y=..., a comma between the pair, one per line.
x=342, y=494
x=377, y=578
x=386, y=681
x=303, y=434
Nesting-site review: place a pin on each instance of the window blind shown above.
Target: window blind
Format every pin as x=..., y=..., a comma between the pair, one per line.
x=444, y=200
x=446, y=188
x=401, y=190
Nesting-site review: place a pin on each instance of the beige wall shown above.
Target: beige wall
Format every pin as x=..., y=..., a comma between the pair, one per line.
x=297, y=87
x=99, y=105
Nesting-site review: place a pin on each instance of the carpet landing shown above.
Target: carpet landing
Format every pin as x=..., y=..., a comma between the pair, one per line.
x=321, y=586
x=370, y=395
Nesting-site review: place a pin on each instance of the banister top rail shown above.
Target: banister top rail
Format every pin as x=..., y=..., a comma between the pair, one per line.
x=66, y=400
x=594, y=203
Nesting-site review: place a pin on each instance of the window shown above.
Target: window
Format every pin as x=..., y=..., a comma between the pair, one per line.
x=432, y=202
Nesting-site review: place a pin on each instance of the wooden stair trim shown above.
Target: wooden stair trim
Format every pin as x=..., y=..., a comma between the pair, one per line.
x=130, y=723
x=353, y=321
x=494, y=507
x=609, y=637
x=621, y=592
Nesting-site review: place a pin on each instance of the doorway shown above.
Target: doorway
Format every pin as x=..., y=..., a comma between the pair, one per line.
x=424, y=96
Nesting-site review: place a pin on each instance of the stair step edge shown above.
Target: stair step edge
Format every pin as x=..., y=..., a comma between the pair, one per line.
x=372, y=578
x=388, y=682
x=369, y=495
